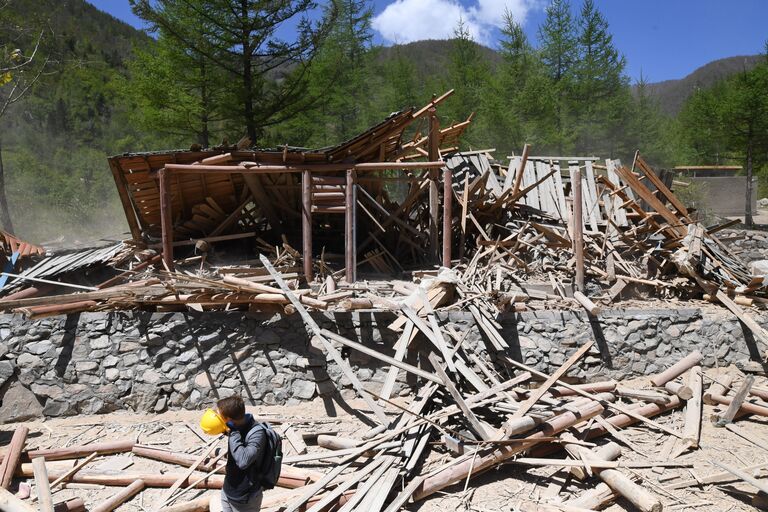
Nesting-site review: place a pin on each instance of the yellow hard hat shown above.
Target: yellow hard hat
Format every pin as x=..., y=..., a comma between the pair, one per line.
x=212, y=423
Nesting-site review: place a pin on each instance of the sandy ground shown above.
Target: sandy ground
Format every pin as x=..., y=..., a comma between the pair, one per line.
x=502, y=489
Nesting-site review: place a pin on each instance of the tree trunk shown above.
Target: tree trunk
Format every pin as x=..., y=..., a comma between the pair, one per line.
x=204, y=135
x=250, y=121
x=5, y=214
x=748, y=221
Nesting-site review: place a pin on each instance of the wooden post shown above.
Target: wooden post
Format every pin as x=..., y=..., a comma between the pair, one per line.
x=350, y=226
x=42, y=484
x=692, y=426
x=166, y=218
x=119, y=498
x=306, y=222
x=578, y=230
x=434, y=155
x=13, y=456
x=447, y=216
x=520, y=170
x=677, y=369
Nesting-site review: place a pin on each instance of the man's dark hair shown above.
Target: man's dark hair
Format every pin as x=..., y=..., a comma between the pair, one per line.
x=231, y=407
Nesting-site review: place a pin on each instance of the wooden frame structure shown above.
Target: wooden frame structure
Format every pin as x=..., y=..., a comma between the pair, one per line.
x=187, y=195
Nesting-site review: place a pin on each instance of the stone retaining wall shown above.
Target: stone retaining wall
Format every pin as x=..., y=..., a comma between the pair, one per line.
x=100, y=362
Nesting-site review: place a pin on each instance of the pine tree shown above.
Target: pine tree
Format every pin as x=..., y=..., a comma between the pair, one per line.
x=175, y=92
x=600, y=88
x=558, y=40
x=240, y=38
x=558, y=50
x=468, y=75
x=648, y=126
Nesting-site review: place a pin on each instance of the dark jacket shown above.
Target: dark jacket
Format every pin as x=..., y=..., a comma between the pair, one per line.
x=245, y=454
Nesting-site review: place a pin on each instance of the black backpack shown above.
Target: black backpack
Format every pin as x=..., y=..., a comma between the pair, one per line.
x=269, y=472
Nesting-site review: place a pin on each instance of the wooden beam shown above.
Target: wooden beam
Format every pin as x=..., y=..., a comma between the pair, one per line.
x=519, y=175
x=479, y=428
x=577, y=223
x=537, y=393
x=13, y=456
x=434, y=154
x=42, y=484
x=350, y=227
x=166, y=218
x=264, y=202
x=447, y=216
x=254, y=168
x=306, y=223
x=329, y=348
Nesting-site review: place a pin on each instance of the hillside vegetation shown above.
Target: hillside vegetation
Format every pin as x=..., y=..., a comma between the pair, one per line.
x=108, y=88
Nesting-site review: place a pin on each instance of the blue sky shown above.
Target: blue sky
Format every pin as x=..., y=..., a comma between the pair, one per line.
x=664, y=39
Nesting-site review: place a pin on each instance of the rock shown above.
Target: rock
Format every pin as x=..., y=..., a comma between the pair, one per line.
x=100, y=343
x=26, y=361
x=161, y=403
x=38, y=347
x=6, y=371
x=303, y=389
x=759, y=267
x=111, y=361
x=86, y=366
x=202, y=380
x=19, y=404
x=112, y=374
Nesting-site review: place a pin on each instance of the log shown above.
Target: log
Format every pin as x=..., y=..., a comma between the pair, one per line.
x=13, y=456
x=693, y=409
x=77, y=452
x=121, y=497
x=42, y=484
x=352, y=304
x=592, y=387
x=736, y=402
x=677, y=369
x=336, y=442
x=594, y=499
x=622, y=484
x=459, y=470
x=607, y=452
x=719, y=387
x=72, y=505
x=746, y=407
x=644, y=395
x=620, y=421
x=10, y=503
x=124, y=479
x=202, y=504
x=592, y=308
x=679, y=389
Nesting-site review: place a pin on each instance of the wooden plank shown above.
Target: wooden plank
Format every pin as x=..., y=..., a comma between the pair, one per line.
x=42, y=484
x=594, y=207
x=529, y=178
x=736, y=402
x=662, y=188
x=13, y=456
x=648, y=196
x=183, y=478
x=330, y=349
x=756, y=329
x=539, y=392
x=762, y=486
x=475, y=423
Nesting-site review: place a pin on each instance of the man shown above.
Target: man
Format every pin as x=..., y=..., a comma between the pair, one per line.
x=242, y=489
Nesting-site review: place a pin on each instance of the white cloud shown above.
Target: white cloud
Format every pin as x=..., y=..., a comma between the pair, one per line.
x=404, y=21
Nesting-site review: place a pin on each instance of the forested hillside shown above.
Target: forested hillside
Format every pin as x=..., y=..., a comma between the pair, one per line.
x=103, y=87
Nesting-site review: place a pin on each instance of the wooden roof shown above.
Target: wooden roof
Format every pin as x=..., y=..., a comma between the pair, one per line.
x=201, y=202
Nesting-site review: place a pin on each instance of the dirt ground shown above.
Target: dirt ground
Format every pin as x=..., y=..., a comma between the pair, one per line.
x=504, y=489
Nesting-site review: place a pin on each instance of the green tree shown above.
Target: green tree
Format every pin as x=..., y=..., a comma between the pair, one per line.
x=242, y=38
x=175, y=92
x=648, y=127
x=601, y=90
x=730, y=121
x=558, y=50
x=468, y=74
x=21, y=66
x=339, y=78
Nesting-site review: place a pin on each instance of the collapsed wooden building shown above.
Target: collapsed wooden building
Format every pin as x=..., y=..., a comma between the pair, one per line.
x=399, y=219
